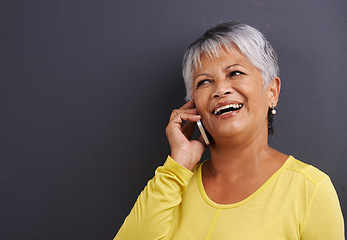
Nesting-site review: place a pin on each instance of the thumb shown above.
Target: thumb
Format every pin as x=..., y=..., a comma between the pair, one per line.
x=199, y=148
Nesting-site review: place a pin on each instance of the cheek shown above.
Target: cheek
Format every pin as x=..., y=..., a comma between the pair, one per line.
x=260, y=106
x=199, y=106
x=200, y=102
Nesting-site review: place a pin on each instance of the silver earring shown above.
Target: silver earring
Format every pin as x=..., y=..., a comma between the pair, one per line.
x=273, y=111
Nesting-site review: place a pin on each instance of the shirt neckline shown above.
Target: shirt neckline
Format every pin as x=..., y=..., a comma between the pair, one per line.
x=244, y=201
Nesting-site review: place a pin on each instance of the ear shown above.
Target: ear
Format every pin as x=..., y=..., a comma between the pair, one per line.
x=273, y=91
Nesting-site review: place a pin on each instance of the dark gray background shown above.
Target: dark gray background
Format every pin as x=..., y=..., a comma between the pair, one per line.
x=87, y=87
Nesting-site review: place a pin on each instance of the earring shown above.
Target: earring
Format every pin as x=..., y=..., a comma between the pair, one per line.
x=273, y=111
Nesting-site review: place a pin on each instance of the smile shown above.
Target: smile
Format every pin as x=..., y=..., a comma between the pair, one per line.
x=227, y=108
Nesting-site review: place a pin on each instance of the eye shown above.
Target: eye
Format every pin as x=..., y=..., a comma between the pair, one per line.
x=203, y=82
x=235, y=74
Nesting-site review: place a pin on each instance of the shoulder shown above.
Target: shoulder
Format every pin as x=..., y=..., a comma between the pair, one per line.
x=322, y=217
x=309, y=172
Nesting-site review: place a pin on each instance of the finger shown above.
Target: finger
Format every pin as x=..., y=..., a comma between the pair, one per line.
x=190, y=104
x=176, y=112
x=184, y=116
x=179, y=111
x=199, y=147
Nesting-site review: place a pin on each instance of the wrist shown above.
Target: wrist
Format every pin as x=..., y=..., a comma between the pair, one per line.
x=183, y=159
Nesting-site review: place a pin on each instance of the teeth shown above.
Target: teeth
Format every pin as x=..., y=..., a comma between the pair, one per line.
x=235, y=106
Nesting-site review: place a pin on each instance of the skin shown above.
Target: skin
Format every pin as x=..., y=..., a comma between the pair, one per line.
x=241, y=159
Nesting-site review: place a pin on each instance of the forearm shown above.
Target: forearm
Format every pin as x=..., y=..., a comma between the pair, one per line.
x=151, y=215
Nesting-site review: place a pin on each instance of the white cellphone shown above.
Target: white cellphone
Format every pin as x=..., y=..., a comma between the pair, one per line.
x=203, y=133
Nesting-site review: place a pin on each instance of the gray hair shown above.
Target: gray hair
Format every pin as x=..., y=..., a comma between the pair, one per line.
x=230, y=35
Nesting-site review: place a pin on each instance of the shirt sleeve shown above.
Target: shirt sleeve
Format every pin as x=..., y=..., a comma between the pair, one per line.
x=324, y=218
x=151, y=215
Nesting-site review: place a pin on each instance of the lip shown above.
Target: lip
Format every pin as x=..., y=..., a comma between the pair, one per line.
x=229, y=114
x=221, y=104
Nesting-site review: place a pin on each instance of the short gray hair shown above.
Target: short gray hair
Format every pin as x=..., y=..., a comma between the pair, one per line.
x=230, y=35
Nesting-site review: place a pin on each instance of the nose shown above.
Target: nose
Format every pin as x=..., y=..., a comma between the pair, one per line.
x=222, y=89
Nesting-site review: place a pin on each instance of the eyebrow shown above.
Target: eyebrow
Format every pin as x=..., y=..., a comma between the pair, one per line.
x=234, y=65
x=208, y=75
x=202, y=74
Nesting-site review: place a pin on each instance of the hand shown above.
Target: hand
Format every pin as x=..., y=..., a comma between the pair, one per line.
x=184, y=151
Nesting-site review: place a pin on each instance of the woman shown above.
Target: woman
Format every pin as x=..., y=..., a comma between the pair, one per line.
x=247, y=190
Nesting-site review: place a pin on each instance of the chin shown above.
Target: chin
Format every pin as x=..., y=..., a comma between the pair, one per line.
x=225, y=132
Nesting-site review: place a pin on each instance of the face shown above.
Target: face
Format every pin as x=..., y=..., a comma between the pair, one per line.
x=230, y=97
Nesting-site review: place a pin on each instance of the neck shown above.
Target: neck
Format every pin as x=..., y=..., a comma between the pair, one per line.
x=236, y=157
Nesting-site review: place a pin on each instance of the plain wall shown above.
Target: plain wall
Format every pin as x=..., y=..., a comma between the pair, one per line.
x=87, y=87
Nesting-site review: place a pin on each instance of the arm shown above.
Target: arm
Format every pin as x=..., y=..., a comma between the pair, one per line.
x=323, y=219
x=152, y=213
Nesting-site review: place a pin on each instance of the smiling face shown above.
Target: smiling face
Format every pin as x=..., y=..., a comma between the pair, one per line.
x=229, y=95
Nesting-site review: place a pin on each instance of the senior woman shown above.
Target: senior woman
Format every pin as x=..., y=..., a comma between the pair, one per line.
x=247, y=190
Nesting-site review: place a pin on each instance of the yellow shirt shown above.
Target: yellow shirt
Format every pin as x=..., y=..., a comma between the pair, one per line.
x=297, y=202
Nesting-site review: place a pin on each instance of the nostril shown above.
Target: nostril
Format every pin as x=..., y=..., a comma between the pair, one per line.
x=222, y=93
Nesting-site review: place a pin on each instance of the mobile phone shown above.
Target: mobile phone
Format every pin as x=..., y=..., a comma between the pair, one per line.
x=203, y=133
